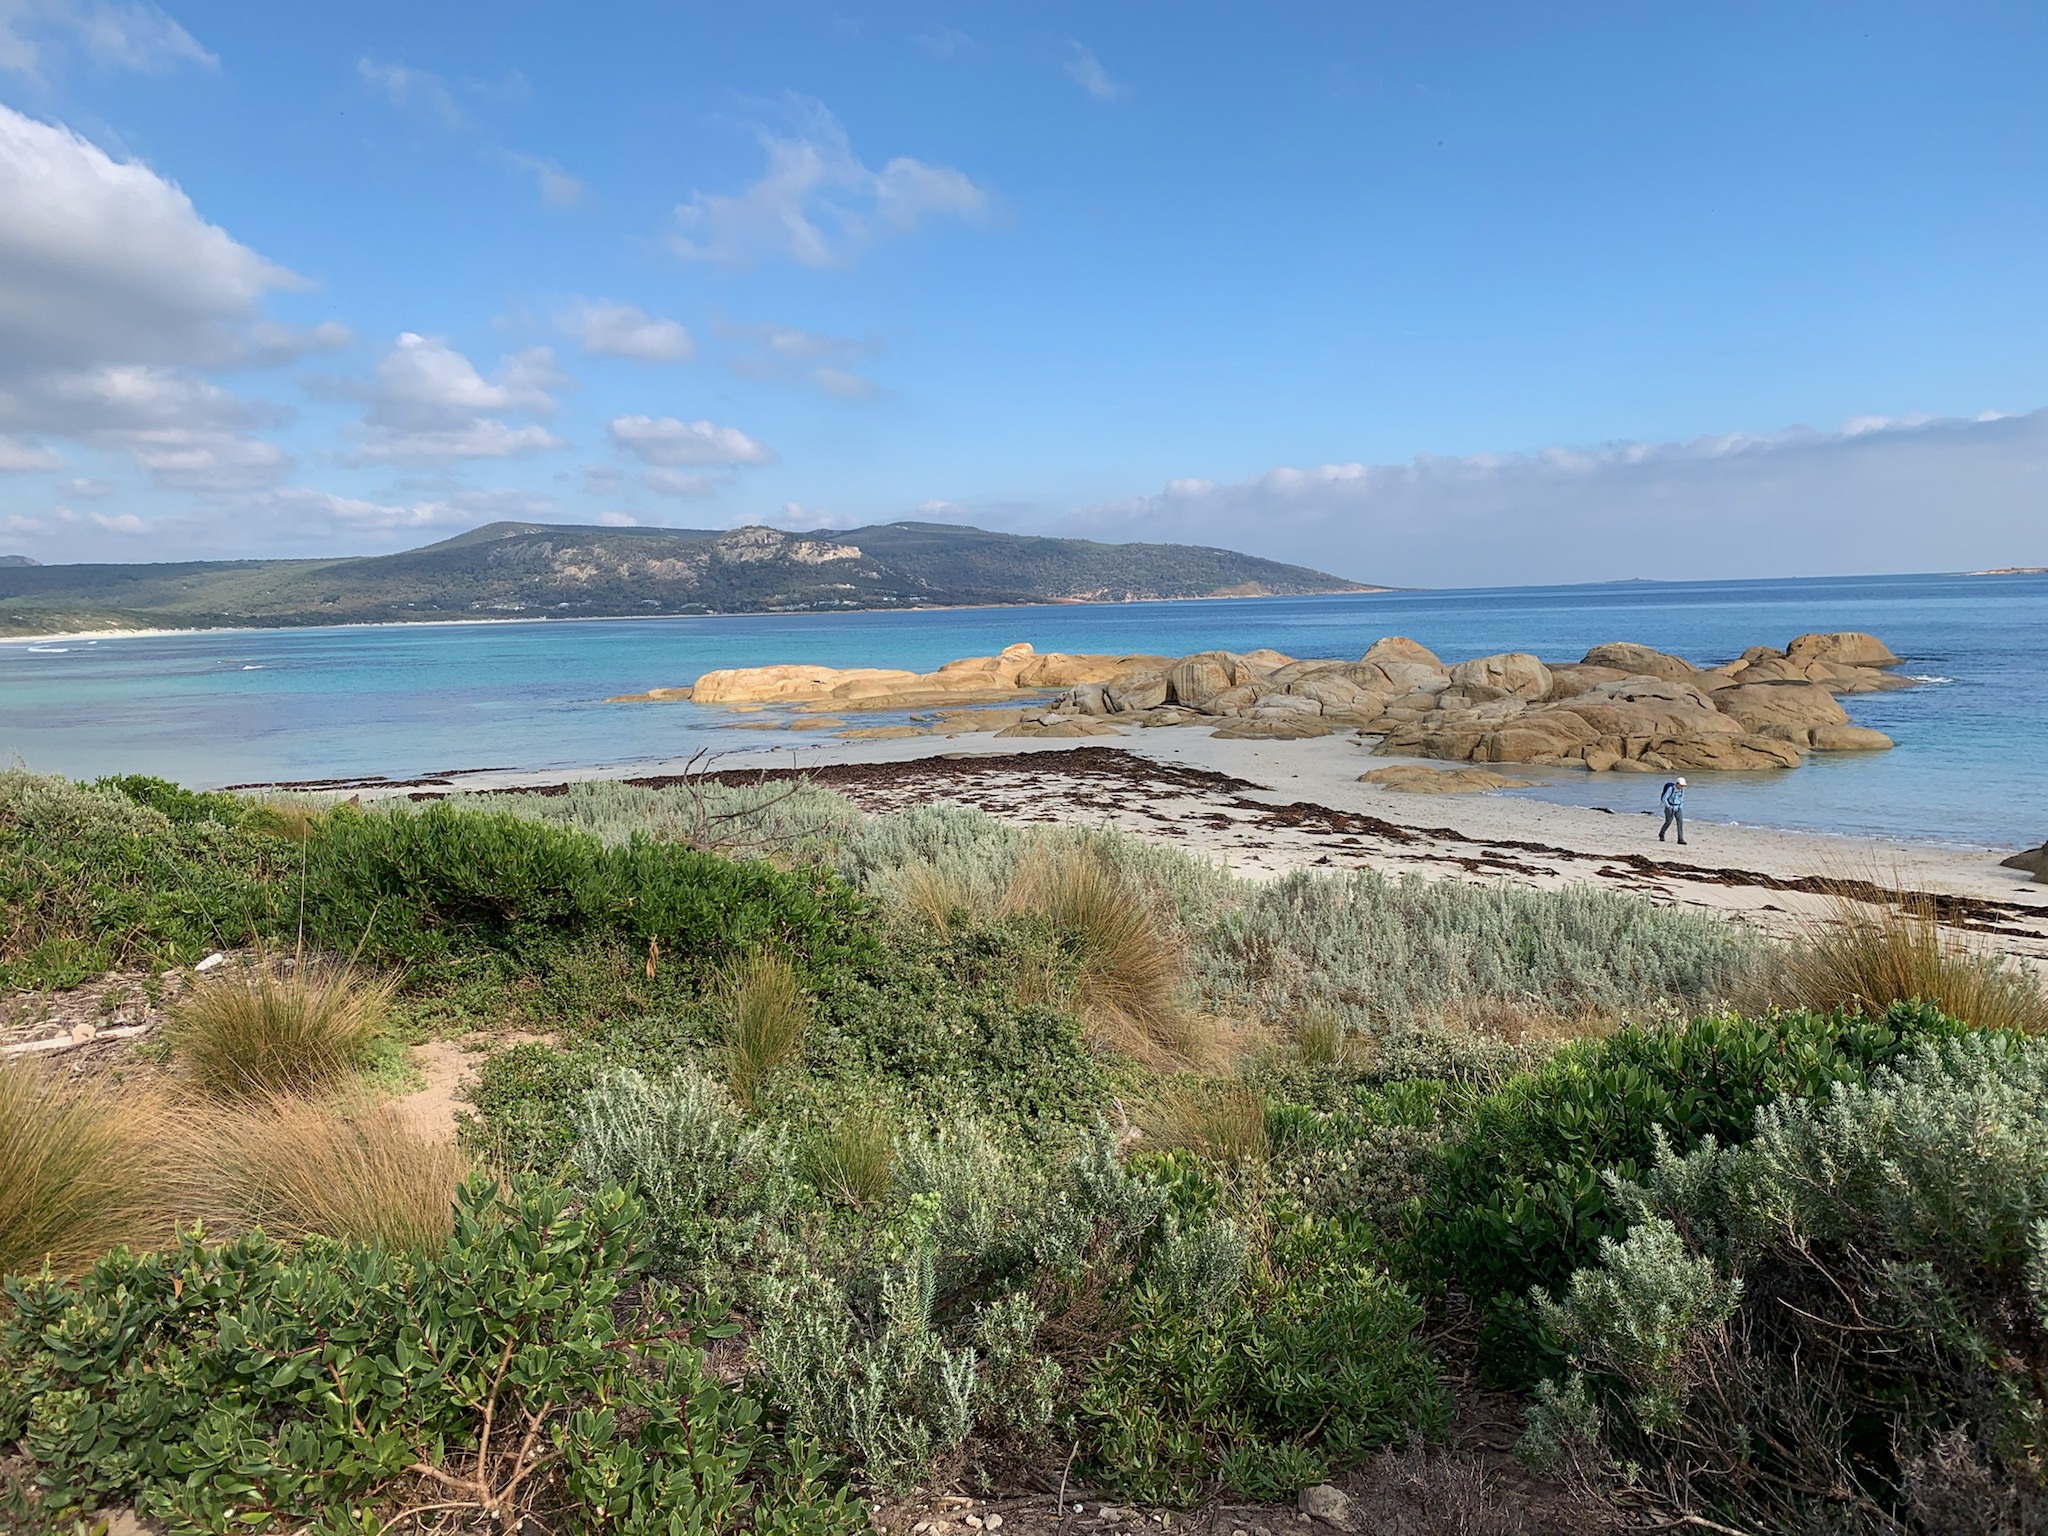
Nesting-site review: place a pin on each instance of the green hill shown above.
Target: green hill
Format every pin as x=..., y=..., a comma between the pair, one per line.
x=538, y=570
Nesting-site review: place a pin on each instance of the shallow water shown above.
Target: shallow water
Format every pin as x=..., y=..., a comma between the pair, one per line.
x=1971, y=765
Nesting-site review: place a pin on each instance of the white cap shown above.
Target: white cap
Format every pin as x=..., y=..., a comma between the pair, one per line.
x=1681, y=781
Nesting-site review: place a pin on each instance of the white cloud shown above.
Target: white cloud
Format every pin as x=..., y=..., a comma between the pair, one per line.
x=1941, y=494
x=105, y=261
x=20, y=457
x=621, y=330
x=673, y=444
x=292, y=519
x=89, y=489
x=847, y=386
x=207, y=461
x=184, y=432
x=1086, y=71
x=412, y=89
x=428, y=403
x=792, y=353
x=113, y=294
x=139, y=38
x=557, y=188
x=943, y=43
x=681, y=483
x=426, y=93
x=801, y=519
x=817, y=202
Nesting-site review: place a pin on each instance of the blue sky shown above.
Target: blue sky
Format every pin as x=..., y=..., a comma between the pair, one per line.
x=1421, y=293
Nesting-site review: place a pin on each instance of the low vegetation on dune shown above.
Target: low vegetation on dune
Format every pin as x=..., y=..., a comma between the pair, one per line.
x=78, y=1171
x=277, y=1027
x=815, y=1158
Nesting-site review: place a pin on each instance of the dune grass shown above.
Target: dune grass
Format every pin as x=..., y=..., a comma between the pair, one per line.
x=1862, y=956
x=357, y=1170
x=270, y=1029
x=1323, y=1039
x=854, y=1161
x=770, y=1018
x=81, y=1170
x=929, y=893
x=1131, y=989
x=1222, y=1122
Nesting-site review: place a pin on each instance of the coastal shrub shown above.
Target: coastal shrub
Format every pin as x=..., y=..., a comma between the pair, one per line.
x=1519, y=1198
x=277, y=1028
x=1377, y=952
x=1314, y=1361
x=1867, y=957
x=930, y=1027
x=1365, y=1156
x=1840, y=1322
x=975, y=851
x=770, y=1018
x=357, y=1171
x=882, y=1384
x=418, y=885
x=521, y=1111
x=942, y=1018
x=509, y=1379
x=92, y=878
x=780, y=817
x=80, y=1170
x=713, y=1186
x=988, y=1284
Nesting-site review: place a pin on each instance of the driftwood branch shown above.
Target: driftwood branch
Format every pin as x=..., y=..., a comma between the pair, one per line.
x=68, y=1043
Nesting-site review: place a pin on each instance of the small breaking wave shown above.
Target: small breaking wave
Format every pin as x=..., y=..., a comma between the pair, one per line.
x=1919, y=678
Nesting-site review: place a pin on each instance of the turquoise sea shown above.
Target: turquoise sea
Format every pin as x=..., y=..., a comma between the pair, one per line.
x=1971, y=765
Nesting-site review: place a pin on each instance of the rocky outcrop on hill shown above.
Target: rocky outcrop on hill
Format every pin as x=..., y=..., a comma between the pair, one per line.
x=1622, y=707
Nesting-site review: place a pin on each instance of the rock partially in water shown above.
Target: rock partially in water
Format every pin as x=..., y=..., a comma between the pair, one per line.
x=1414, y=779
x=2034, y=861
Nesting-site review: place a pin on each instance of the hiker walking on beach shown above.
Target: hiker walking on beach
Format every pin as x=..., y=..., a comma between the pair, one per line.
x=1673, y=801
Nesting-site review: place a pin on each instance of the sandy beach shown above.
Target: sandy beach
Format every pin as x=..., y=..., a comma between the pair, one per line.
x=1268, y=808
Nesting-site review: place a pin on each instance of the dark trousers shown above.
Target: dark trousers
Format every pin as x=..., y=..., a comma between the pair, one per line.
x=1673, y=816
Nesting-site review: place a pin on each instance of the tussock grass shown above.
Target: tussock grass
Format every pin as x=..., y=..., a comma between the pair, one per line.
x=854, y=1161
x=268, y=1030
x=1531, y=1021
x=933, y=895
x=1222, y=1122
x=357, y=1170
x=1131, y=987
x=1865, y=956
x=1325, y=1040
x=81, y=1170
x=770, y=1018
x=295, y=818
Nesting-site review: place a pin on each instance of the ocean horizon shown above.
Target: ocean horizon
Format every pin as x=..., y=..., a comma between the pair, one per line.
x=216, y=707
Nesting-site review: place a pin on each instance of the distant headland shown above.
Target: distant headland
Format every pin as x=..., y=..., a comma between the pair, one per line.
x=542, y=570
